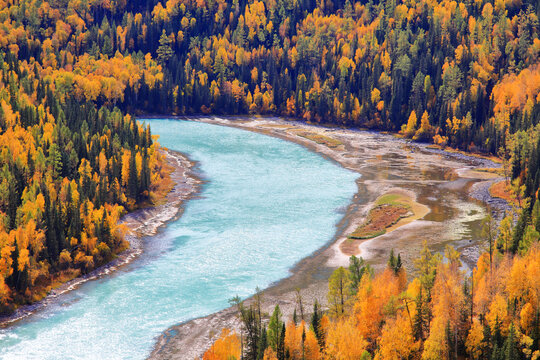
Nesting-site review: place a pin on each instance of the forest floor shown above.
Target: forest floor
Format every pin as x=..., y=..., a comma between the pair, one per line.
x=140, y=223
x=446, y=192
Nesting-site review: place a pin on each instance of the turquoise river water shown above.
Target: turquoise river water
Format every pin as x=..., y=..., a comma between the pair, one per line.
x=267, y=204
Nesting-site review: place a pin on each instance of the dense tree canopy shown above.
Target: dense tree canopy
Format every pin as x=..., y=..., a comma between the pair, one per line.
x=70, y=162
x=461, y=73
x=440, y=314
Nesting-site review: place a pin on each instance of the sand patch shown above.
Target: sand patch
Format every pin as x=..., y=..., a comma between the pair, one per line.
x=482, y=174
x=472, y=154
x=502, y=190
x=319, y=138
x=278, y=126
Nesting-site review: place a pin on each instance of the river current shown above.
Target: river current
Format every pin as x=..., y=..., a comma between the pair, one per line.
x=266, y=203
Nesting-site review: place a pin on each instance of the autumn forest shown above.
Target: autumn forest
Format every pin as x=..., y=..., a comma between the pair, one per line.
x=465, y=74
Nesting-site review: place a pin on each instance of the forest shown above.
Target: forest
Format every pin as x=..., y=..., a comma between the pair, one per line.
x=70, y=167
x=442, y=313
x=460, y=74
x=69, y=171
x=463, y=74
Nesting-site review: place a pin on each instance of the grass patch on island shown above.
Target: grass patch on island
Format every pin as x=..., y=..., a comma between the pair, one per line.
x=389, y=212
x=386, y=212
x=320, y=139
x=394, y=199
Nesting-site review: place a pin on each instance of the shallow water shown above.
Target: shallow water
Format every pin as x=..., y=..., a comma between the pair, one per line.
x=267, y=204
x=432, y=176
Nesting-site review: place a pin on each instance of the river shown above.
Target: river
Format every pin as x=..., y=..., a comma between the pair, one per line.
x=266, y=203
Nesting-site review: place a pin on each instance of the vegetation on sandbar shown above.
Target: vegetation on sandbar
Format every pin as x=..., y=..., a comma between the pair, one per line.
x=388, y=210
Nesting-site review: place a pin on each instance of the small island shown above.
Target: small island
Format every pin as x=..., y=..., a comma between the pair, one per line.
x=389, y=212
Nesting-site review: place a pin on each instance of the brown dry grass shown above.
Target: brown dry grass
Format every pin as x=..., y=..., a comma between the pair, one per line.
x=164, y=186
x=44, y=285
x=380, y=218
x=502, y=190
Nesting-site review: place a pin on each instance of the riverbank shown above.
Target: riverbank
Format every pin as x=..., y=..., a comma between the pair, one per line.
x=140, y=223
x=439, y=183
